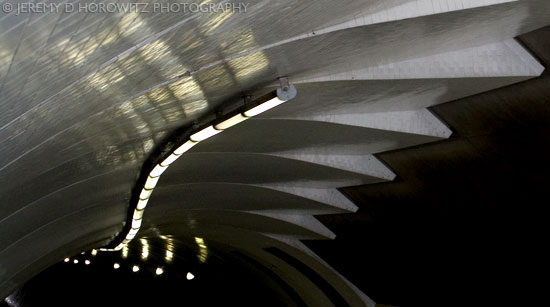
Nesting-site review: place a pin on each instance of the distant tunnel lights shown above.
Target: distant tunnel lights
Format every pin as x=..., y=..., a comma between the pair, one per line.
x=190, y=276
x=284, y=93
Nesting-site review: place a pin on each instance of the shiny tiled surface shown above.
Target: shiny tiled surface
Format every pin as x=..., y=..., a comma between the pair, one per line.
x=85, y=98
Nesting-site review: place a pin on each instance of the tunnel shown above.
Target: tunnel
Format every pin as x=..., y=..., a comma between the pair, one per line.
x=273, y=152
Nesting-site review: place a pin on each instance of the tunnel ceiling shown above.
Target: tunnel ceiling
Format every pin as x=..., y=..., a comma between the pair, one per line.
x=86, y=99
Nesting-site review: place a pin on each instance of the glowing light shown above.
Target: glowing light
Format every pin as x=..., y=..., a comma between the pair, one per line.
x=171, y=158
x=169, y=256
x=66, y=259
x=286, y=92
x=204, y=134
x=116, y=266
x=142, y=203
x=190, y=276
x=125, y=251
x=144, y=249
x=145, y=194
x=75, y=261
x=270, y=104
x=159, y=271
x=151, y=182
x=135, y=268
x=203, y=250
x=230, y=122
x=136, y=223
x=184, y=148
x=133, y=232
x=94, y=252
x=158, y=170
x=138, y=214
x=87, y=262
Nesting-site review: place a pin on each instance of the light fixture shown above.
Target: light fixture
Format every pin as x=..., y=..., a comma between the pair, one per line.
x=125, y=251
x=138, y=214
x=230, y=122
x=169, y=257
x=116, y=266
x=171, y=158
x=158, y=170
x=285, y=92
x=159, y=271
x=204, y=134
x=94, y=252
x=132, y=233
x=142, y=203
x=66, y=259
x=270, y=104
x=87, y=262
x=190, y=276
x=185, y=147
x=135, y=268
x=145, y=194
x=136, y=223
x=203, y=250
x=75, y=261
x=144, y=249
x=151, y=182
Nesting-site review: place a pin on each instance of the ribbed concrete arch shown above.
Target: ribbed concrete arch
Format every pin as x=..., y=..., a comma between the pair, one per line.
x=245, y=197
x=86, y=99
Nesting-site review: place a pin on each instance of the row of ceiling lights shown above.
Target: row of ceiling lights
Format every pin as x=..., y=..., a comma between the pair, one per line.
x=135, y=268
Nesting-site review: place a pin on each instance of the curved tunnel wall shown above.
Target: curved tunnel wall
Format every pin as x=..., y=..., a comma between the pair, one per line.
x=118, y=84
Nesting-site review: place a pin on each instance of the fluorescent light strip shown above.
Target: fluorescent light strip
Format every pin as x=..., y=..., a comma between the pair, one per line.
x=171, y=159
x=136, y=223
x=185, y=147
x=204, y=134
x=270, y=104
x=142, y=203
x=159, y=169
x=138, y=214
x=230, y=122
x=145, y=194
x=151, y=182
